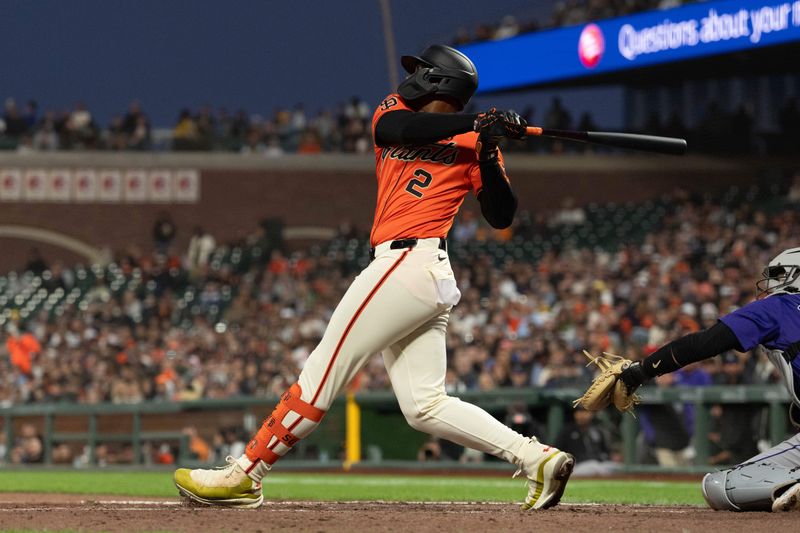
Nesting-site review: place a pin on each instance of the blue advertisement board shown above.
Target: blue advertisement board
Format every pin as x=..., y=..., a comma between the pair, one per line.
x=650, y=38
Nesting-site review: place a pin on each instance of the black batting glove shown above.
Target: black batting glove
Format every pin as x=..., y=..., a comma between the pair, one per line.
x=634, y=377
x=493, y=125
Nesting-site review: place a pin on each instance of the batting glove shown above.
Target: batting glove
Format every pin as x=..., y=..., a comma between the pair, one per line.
x=493, y=125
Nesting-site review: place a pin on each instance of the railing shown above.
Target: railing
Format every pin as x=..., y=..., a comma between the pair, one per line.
x=383, y=424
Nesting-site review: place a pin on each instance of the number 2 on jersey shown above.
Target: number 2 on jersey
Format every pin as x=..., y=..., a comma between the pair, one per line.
x=422, y=180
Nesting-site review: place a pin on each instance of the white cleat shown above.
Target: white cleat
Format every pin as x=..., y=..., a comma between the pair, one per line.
x=548, y=470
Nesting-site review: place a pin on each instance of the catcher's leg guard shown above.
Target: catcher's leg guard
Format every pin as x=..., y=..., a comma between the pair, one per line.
x=748, y=487
x=291, y=420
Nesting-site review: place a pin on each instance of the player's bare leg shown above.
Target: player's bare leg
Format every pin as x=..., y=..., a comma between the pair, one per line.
x=417, y=366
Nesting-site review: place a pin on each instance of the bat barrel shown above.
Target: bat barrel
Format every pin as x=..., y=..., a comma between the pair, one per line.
x=648, y=143
x=635, y=141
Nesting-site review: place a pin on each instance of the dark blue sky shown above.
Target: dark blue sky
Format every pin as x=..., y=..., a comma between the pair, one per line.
x=256, y=55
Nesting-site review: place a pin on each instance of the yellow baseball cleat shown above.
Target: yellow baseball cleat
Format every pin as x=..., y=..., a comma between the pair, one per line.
x=548, y=470
x=226, y=486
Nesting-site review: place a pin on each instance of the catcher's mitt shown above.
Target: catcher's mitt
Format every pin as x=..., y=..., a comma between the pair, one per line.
x=607, y=388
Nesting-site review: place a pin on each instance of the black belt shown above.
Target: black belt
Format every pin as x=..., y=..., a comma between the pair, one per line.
x=408, y=243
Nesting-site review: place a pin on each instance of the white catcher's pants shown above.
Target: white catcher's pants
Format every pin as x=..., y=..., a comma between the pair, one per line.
x=399, y=305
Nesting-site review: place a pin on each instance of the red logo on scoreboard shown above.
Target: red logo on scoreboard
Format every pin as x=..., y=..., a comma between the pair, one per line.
x=591, y=45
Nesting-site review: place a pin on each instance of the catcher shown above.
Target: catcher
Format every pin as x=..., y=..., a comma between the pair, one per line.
x=769, y=481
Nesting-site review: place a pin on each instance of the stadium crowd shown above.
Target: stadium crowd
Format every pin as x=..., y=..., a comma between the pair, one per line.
x=347, y=129
x=520, y=325
x=343, y=129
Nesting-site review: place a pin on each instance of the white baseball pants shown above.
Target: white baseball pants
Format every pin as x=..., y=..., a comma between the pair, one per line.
x=399, y=305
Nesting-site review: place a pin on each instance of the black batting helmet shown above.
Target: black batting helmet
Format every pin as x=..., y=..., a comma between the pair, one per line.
x=439, y=70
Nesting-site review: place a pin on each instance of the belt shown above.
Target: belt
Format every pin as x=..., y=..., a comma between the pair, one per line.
x=408, y=243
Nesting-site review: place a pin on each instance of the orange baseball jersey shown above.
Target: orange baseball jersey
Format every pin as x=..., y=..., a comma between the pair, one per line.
x=420, y=188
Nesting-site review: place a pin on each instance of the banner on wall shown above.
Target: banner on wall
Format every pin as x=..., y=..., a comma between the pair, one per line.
x=10, y=185
x=85, y=185
x=187, y=186
x=34, y=185
x=109, y=185
x=135, y=186
x=159, y=186
x=59, y=185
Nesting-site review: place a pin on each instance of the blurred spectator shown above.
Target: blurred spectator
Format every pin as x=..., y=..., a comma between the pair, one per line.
x=569, y=214
x=198, y=448
x=31, y=114
x=15, y=123
x=733, y=434
x=508, y=28
x=163, y=232
x=62, y=454
x=436, y=449
x=588, y=442
x=164, y=455
x=136, y=127
x=201, y=245
x=46, y=137
x=663, y=429
x=186, y=135
x=557, y=117
x=36, y=262
x=28, y=447
x=80, y=129
x=21, y=348
x=794, y=190
x=431, y=450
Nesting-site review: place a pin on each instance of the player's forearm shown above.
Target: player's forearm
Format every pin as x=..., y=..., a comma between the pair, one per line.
x=497, y=198
x=690, y=349
x=679, y=353
x=407, y=127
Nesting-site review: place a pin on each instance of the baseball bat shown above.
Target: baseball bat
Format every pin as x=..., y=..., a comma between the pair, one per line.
x=647, y=143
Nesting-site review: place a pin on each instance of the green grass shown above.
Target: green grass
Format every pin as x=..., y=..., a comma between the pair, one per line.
x=335, y=487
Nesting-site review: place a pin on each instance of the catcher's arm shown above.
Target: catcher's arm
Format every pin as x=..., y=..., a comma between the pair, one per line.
x=619, y=378
x=679, y=353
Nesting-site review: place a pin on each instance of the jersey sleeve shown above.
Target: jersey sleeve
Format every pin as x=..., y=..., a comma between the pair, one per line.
x=474, y=173
x=393, y=102
x=756, y=323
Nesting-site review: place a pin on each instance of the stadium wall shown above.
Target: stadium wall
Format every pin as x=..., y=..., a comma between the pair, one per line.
x=235, y=193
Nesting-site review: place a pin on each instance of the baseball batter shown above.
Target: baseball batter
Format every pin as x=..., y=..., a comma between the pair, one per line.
x=769, y=481
x=428, y=158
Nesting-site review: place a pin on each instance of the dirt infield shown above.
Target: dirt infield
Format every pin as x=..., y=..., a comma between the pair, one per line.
x=121, y=514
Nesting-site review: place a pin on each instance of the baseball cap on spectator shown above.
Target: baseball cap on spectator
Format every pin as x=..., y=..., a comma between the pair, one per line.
x=730, y=358
x=708, y=311
x=689, y=308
